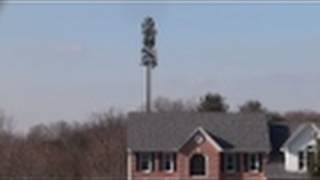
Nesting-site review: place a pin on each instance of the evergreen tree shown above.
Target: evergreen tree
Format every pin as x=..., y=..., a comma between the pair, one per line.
x=251, y=106
x=212, y=103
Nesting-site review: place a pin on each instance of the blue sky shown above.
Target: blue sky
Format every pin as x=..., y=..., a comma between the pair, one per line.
x=66, y=61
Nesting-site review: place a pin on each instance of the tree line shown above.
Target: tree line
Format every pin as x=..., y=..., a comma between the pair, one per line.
x=210, y=102
x=97, y=148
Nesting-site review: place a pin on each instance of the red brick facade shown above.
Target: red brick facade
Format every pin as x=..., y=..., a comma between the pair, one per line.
x=213, y=166
x=243, y=174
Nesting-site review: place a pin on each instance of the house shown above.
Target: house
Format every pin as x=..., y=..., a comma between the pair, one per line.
x=294, y=148
x=220, y=146
x=299, y=150
x=202, y=145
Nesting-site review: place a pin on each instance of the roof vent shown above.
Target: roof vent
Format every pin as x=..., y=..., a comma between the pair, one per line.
x=199, y=139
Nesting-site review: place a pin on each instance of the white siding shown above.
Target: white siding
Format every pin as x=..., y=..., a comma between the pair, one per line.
x=300, y=142
x=291, y=161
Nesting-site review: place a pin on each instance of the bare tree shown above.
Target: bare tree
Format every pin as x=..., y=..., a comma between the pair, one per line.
x=163, y=104
x=302, y=115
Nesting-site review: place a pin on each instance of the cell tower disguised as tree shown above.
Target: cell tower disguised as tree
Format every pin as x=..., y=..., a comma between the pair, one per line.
x=149, y=57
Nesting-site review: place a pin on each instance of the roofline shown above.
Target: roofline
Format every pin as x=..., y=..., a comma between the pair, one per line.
x=207, y=137
x=316, y=128
x=247, y=151
x=284, y=147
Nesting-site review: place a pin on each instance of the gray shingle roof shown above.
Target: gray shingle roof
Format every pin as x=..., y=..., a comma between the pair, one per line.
x=168, y=131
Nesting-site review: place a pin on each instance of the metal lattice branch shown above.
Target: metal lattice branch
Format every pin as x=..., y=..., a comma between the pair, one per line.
x=149, y=57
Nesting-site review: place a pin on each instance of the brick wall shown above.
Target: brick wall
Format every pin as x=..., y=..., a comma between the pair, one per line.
x=212, y=159
x=154, y=175
x=245, y=175
x=182, y=170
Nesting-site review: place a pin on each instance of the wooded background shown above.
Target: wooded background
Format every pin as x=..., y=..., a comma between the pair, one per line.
x=96, y=149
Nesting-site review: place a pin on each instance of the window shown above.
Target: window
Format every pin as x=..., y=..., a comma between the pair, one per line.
x=167, y=162
x=145, y=162
x=197, y=165
x=301, y=160
x=254, y=162
x=311, y=156
x=306, y=158
x=230, y=162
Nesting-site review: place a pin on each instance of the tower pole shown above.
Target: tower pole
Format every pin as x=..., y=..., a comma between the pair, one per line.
x=149, y=57
x=148, y=88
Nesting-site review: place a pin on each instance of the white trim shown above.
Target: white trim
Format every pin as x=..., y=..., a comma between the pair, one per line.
x=304, y=161
x=206, y=136
x=206, y=165
x=305, y=152
x=292, y=137
x=296, y=133
x=226, y=163
x=316, y=128
x=129, y=164
x=257, y=161
x=163, y=161
x=148, y=159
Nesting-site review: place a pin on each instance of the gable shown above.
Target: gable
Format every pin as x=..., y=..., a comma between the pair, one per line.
x=200, y=136
x=303, y=136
